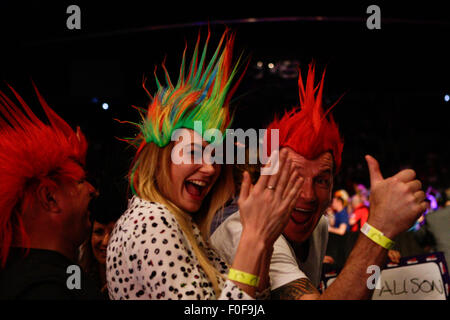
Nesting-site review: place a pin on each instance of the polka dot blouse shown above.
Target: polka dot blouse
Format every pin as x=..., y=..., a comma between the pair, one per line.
x=148, y=257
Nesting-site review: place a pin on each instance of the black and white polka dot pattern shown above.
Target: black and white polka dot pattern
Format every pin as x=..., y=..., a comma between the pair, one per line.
x=148, y=257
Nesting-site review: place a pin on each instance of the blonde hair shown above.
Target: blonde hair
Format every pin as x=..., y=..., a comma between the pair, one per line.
x=152, y=180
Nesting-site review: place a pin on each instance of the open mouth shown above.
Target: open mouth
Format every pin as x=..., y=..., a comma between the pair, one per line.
x=196, y=188
x=307, y=211
x=301, y=215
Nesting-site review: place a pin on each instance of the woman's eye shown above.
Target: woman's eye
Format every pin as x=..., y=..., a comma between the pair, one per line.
x=98, y=232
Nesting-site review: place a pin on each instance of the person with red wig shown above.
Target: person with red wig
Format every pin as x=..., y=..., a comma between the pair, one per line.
x=314, y=144
x=44, y=199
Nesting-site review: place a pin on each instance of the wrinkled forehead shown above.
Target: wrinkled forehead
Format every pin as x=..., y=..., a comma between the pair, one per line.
x=323, y=163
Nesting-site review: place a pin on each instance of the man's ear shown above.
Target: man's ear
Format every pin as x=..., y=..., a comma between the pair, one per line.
x=46, y=198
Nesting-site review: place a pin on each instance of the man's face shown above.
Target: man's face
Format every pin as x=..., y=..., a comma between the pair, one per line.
x=73, y=197
x=314, y=195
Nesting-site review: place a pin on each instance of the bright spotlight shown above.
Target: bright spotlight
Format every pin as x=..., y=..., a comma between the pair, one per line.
x=105, y=106
x=446, y=98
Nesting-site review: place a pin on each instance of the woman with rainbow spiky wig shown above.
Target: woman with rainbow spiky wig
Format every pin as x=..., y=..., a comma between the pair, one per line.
x=158, y=248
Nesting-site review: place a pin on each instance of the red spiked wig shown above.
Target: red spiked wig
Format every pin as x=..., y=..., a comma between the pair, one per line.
x=32, y=154
x=307, y=129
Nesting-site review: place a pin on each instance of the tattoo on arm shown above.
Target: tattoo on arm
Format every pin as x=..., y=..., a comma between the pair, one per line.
x=294, y=290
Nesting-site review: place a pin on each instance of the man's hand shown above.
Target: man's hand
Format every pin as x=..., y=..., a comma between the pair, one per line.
x=396, y=202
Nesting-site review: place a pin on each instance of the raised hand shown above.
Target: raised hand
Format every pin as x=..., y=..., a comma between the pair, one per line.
x=265, y=208
x=396, y=202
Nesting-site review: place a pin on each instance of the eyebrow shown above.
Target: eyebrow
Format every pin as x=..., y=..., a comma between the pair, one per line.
x=194, y=147
x=325, y=171
x=326, y=166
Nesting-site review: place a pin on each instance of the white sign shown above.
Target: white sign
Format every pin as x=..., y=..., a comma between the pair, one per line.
x=415, y=282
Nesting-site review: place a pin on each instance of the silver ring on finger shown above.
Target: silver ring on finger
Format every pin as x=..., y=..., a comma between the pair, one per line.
x=270, y=187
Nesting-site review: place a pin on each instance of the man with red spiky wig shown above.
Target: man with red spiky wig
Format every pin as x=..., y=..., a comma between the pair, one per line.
x=314, y=146
x=44, y=199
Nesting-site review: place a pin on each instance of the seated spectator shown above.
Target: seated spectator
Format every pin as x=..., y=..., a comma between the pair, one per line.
x=359, y=215
x=337, y=247
x=339, y=206
x=364, y=193
x=44, y=205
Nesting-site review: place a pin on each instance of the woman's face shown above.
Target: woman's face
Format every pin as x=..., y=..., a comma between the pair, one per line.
x=192, y=179
x=99, y=240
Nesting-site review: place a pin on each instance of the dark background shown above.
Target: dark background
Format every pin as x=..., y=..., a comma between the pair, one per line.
x=393, y=80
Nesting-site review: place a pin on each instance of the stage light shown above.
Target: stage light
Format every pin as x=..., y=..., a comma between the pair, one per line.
x=271, y=65
x=105, y=106
x=94, y=100
x=259, y=64
x=446, y=98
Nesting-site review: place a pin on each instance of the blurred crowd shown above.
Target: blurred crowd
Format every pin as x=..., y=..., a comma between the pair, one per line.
x=349, y=211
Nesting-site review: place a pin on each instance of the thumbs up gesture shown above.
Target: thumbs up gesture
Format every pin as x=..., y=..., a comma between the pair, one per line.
x=396, y=202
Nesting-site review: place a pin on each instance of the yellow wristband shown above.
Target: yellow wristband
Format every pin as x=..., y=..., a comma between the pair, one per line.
x=243, y=277
x=377, y=236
